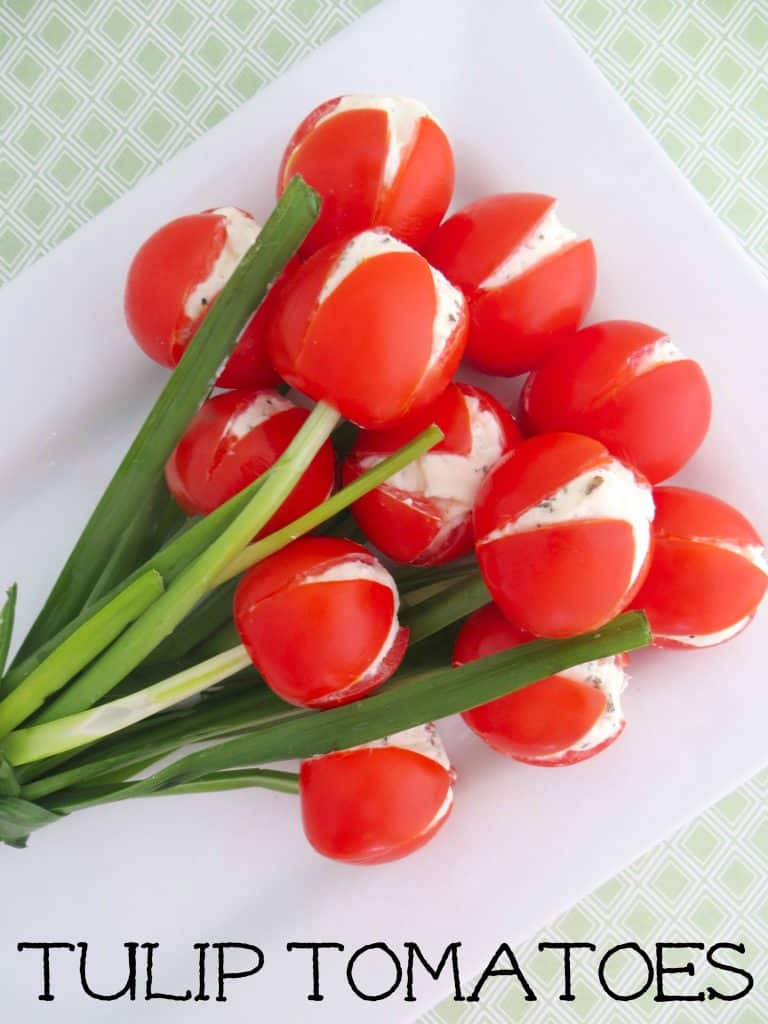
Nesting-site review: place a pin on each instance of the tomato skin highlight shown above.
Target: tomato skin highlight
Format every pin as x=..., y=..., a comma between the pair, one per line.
x=516, y=324
x=568, y=572
x=409, y=526
x=543, y=720
x=698, y=586
x=599, y=383
x=372, y=805
x=320, y=639
x=210, y=464
x=343, y=156
x=367, y=345
x=162, y=275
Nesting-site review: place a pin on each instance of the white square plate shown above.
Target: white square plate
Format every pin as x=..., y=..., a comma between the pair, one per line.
x=526, y=110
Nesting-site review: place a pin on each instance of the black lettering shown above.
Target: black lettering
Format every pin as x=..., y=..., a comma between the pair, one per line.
x=513, y=971
x=148, y=992
x=316, y=996
x=661, y=971
x=729, y=969
x=567, y=996
x=224, y=975
x=356, y=956
x=604, y=963
x=201, y=996
x=46, y=996
x=128, y=989
x=451, y=953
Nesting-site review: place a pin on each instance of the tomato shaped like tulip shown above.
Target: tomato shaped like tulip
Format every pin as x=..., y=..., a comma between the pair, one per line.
x=563, y=534
x=378, y=802
x=319, y=620
x=529, y=280
x=708, y=573
x=557, y=721
x=368, y=326
x=175, y=277
x=234, y=438
x=423, y=514
x=376, y=161
x=629, y=386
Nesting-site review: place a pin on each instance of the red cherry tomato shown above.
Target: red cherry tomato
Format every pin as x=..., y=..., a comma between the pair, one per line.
x=368, y=326
x=529, y=280
x=231, y=441
x=708, y=573
x=423, y=514
x=319, y=620
x=560, y=720
x=377, y=803
x=563, y=534
x=627, y=385
x=376, y=161
x=174, y=279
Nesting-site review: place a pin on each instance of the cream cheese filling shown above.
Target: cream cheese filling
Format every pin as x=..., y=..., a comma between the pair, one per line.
x=354, y=569
x=609, y=491
x=403, y=117
x=241, y=233
x=375, y=242
x=548, y=237
x=262, y=408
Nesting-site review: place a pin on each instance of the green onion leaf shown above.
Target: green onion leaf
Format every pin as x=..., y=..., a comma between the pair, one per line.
x=7, y=616
x=404, y=703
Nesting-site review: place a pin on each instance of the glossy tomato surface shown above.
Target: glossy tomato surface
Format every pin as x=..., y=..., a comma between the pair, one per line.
x=420, y=526
x=567, y=571
x=357, y=329
x=623, y=383
x=708, y=573
x=231, y=441
x=163, y=274
x=320, y=639
x=371, y=805
x=366, y=174
x=544, y=719
x=513, y=325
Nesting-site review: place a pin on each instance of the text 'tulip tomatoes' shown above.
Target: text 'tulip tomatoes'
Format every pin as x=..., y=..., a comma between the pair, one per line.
x=378, y=802
x=368, y=326
x=175, y=277
x=627, y=385
x=529, y=280
x=563, y=533
x=231, y=441
x=377, y=161
x=708, y=573
x=423, y=514
x=319, y=620
x=558, y=721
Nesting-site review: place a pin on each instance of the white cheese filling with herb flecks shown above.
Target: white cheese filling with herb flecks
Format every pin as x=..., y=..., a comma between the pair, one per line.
x=241, y=233
x=548, y=237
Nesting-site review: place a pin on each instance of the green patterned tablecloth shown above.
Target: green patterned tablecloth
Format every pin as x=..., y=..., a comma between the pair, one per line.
x=96, y=93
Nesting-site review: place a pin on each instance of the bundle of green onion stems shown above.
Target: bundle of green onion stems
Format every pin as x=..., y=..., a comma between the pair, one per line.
x=134, y=655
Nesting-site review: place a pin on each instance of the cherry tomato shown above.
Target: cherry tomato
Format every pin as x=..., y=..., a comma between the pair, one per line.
x=560, y=720
x=376, y=161
x=423, y=514
x=379, y=802
x=174, y=279
x=563, y=534
x=368, y=326
x=319, y=620
x=627, y=385
x=708, y=573
x=529, y=280
x=231, y=441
